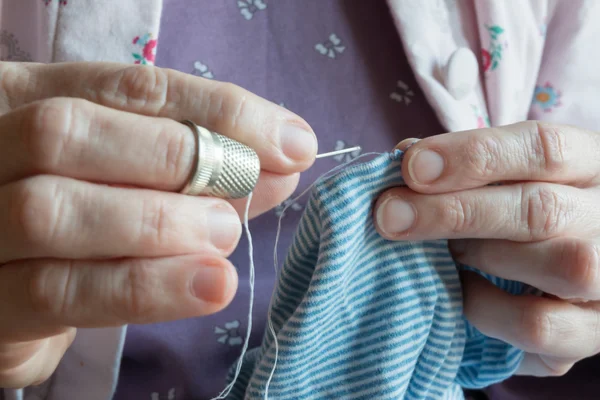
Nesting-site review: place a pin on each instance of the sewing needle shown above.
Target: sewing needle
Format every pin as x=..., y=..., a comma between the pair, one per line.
x=335, y=153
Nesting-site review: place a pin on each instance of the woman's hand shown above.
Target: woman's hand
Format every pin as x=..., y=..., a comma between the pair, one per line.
x=542, y=227
x=92, y=230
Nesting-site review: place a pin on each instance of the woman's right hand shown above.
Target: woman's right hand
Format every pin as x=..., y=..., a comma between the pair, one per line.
x=92, y=230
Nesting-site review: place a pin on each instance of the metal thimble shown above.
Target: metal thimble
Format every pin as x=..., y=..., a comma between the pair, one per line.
x=222, y=167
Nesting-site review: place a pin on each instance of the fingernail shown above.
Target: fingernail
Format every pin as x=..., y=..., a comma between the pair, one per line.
x=224, y=227
x=426, y=166
x=395, y=216
x=298, y=144
x=212, y=284
x=406, y=143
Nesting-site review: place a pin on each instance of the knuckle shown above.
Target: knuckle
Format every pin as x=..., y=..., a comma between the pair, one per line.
x=51, y=129
x=143, y=87
x=156, y=225
x=49, y=289
x=548, y=147
x=228, y=104
x=458, y=215
x=579, y=265
x=134, y=298
x=39, y=206
x=535, y=328
x=483, y=157
x=545, y=212
x=175, y=153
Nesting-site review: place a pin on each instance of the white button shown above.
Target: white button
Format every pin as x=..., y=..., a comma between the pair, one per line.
x=461, y=73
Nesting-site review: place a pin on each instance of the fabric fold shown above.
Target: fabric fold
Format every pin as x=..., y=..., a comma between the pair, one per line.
x=356, y=316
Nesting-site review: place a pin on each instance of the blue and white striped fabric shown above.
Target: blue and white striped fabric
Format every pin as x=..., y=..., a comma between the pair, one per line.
x=360, y=317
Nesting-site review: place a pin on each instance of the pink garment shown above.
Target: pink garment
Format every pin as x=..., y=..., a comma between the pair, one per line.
x=544, y=47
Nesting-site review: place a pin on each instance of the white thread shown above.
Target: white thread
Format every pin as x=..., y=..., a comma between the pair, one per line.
x=276, y=261
x=227, y=390
x=229, y=387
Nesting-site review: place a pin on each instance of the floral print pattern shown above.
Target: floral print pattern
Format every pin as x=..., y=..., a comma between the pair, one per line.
x=10, y=50
x=492, y=56
x=169, y=396
x=249, y=7
x=403, y=93
x=148, y=46
x=483, y=120
x=229, y=334
x=546, y=97
x=287, y=205
x=202, y=70
x=332, y=47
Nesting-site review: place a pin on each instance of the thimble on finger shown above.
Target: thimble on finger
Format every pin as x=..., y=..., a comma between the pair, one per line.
x=222, y=167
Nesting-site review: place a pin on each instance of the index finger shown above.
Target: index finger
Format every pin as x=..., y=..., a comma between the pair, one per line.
x=284, y=142
x=526, y=151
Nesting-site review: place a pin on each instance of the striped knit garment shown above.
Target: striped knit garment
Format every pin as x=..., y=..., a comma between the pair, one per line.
x=360, y=317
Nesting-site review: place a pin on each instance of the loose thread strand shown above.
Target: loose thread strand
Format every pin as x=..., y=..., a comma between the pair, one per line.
x=329, y=173
x=227, y=390
x=238, y=368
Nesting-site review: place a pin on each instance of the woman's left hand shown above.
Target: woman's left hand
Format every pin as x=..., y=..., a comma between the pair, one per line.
x=541, y=227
